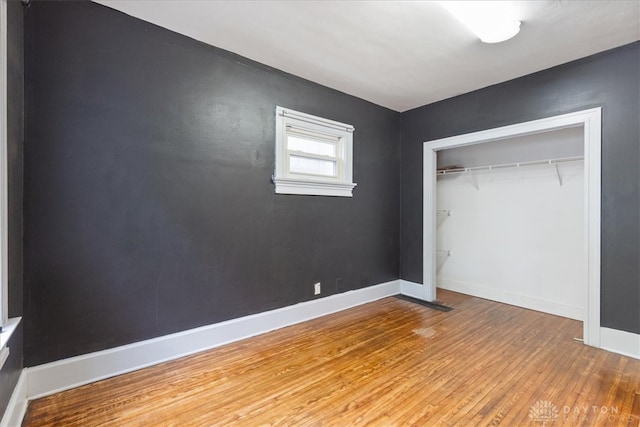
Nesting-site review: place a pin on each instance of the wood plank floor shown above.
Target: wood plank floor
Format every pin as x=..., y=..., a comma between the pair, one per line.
x=387, y=363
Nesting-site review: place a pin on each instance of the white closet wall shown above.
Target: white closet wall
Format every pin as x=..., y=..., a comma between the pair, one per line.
x=515, y=235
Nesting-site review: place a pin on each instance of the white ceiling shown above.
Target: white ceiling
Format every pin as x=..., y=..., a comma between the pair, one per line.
x=398, y=54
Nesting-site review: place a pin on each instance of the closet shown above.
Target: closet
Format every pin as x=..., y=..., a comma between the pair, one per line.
x=510, y=221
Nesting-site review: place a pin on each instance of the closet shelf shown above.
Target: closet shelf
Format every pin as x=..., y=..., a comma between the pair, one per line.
x=510, y=165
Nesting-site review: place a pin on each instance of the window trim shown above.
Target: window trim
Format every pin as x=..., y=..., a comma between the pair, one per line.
x=287, y=182
x=9, y=326
x=4, y=247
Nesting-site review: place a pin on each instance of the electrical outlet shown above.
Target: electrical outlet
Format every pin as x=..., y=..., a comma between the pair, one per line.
x=316, y=289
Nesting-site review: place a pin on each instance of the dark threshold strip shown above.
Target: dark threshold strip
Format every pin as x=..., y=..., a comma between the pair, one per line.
x=433, y=305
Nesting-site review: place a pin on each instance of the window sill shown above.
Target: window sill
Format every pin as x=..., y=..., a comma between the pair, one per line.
x=294, y=186
x=7, y=330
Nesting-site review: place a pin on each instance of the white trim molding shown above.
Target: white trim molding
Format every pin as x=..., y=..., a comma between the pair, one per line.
x=308, y=118
x=17, y=406
x=525, y=301
x=591, y=122
x=621, y=342
x=76, y=371
x=4, y=245
x=293, y=186
x=411, y=289
x=8, y=325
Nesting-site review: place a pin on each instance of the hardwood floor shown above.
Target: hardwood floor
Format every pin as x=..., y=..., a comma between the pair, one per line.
x=387, y=363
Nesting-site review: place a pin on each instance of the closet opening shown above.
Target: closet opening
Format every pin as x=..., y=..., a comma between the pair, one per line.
x=512, y=214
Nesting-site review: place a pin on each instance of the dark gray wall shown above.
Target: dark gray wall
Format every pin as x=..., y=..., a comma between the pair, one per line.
x=148, y=202
x=609, y=80
x=15, y=135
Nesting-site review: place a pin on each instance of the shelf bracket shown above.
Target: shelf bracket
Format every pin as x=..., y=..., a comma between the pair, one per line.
x=559, y=176
x=442, y=256
x=474, y=180
x=441, y=216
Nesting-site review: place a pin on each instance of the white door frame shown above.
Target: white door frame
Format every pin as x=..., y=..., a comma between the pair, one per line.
x=591, y=121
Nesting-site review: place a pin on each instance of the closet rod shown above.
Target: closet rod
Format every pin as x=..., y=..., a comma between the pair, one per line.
x=511, y=165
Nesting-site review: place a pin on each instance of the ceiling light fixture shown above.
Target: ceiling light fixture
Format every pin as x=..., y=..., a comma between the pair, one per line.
x=491, y=21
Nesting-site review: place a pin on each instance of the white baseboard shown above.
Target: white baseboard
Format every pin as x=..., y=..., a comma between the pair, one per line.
x=558, y=309
x=411, y=289
x=17, y=406
x=68, y=373
x=621, y=342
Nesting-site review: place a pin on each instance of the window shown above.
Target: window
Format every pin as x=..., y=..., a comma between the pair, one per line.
x=314, y=156
x=8, y=326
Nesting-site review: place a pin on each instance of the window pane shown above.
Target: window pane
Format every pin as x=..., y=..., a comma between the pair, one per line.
x=322, y=148
x=311, y=166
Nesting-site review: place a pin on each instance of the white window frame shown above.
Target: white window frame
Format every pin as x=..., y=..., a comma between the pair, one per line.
x=288, y=182
x=3, y=164
x=8, y=325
